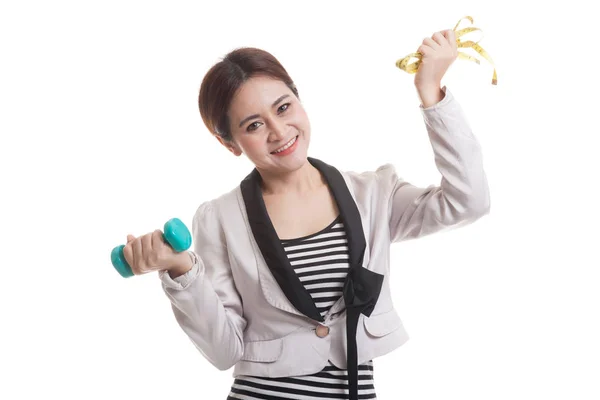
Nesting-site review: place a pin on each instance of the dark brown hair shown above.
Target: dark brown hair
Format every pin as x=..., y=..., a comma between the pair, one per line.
x=224, y=79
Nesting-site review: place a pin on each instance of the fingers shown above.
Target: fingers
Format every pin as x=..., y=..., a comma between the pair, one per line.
x=428, y=47
x=439, y=40
x=147, y=243
x=157, y=244
x=128, y=253
x=425, y=49
x=444, y=38
x=157, y=238
x=432, y=43
x=144, y=253
x=450, y=35
x=150, y=255
x=138, y=255
x=131, y=254
x=128, y=250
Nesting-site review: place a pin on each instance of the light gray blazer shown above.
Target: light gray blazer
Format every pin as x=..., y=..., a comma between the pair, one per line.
x=242, y=305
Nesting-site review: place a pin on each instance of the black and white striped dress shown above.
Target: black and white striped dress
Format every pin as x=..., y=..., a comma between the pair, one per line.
x=321, y=262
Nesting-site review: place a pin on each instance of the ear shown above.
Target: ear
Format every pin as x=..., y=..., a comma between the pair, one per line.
x=230, y=145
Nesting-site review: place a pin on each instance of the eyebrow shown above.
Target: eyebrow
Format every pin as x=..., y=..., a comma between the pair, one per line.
x=257, y=115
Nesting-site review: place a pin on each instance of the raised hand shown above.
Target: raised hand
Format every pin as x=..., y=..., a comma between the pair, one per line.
x=438, y=53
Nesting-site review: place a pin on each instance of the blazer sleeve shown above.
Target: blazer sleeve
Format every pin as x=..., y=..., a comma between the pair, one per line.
x=205, y=300
x=463, y=193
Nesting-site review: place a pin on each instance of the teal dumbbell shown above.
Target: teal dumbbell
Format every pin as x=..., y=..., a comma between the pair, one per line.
x=175, y=233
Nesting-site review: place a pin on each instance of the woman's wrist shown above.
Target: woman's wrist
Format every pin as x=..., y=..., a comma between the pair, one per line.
x=429, y=94
x=182, y=264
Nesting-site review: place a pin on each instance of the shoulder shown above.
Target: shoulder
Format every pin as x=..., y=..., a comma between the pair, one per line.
x=383, y=177
x=210, y=212
x=374, y=186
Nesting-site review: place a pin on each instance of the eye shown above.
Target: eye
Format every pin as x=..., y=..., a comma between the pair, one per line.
x=250, y=127
x=286, y=105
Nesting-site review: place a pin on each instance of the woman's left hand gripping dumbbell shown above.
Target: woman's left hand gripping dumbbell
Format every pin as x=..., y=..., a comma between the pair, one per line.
x=150, y=253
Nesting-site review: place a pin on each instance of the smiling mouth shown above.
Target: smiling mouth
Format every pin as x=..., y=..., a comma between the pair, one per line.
x=286, y=146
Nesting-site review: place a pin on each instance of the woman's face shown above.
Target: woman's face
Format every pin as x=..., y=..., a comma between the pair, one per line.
x=269, y=125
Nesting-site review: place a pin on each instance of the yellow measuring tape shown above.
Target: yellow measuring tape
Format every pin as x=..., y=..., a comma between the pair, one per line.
x=412, y=68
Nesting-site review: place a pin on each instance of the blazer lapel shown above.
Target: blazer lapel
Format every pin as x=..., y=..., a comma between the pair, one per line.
x=348, y=211
x=272, y=251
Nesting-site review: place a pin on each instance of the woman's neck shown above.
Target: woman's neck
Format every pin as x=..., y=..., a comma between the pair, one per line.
x=301, y=181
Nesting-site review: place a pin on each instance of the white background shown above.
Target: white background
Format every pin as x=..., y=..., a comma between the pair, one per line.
x=101, y=136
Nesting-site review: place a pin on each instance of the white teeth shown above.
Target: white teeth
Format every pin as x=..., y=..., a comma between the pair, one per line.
x=291, y=142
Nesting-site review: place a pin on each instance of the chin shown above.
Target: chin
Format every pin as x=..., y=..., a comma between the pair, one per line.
x=292, y=162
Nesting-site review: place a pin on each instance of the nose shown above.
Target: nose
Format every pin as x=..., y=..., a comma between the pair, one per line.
x=278, y=130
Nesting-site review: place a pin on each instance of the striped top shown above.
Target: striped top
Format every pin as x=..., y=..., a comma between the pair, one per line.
x=321, y=263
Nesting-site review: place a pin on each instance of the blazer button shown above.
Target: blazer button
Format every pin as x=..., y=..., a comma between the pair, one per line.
x=322, y=331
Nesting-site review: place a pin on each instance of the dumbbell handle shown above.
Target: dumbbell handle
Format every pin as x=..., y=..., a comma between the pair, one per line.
x=175, y=233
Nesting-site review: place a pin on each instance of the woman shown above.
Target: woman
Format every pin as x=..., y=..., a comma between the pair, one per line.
x=288, y=280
